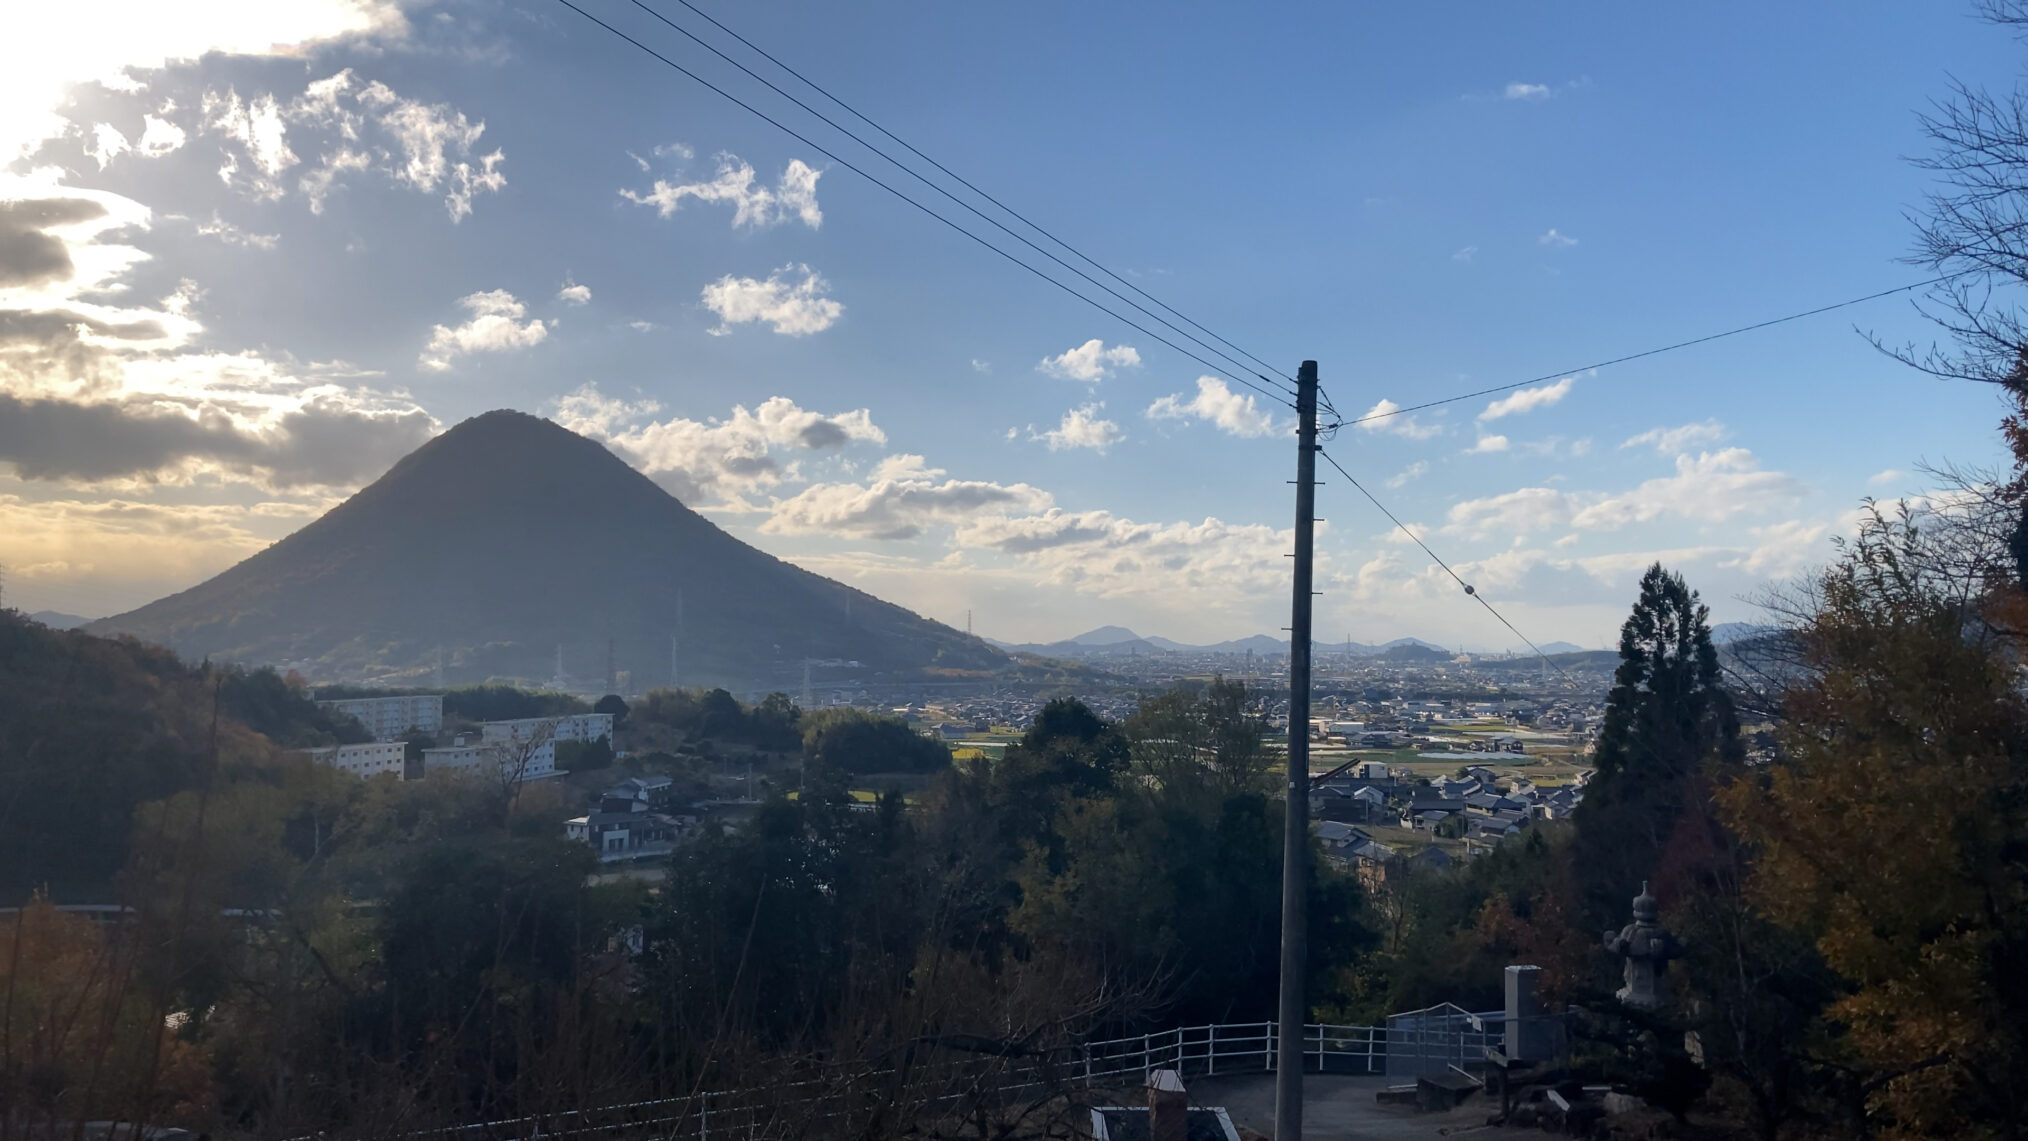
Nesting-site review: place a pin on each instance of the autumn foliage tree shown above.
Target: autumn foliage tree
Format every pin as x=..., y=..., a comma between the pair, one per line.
x=1896, y=834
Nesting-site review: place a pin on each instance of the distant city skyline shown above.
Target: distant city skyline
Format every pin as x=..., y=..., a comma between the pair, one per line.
x=249, y=257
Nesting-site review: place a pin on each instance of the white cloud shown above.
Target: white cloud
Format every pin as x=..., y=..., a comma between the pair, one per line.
x=794, y=309
x=901, y=502
x=65, y=44
x=572, y=293
x=1882, y=478
x=1525, y=91
x=1489, y=444
x=1682, y=438
x=982, y=367
x=1091, y=362
x=362, y=126
x=1216, y=403
x=493, y=328
x=1415, y=470
x=1083, y=428
x=1386, y=416
x=715, y=463
x=1556, y=240
x=1710, y=487
x=1527, y=400
x=1210, y=565
x=232, y=235
x=1784, y=549
x=159, y=136
x=257, y=126
x=1465, y=254
x=794, y=195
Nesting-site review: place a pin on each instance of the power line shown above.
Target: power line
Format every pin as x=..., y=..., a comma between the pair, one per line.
x=1470, y=590
x=1653, y=352
x=912, y=173
x=828, y=153
x=962, y=181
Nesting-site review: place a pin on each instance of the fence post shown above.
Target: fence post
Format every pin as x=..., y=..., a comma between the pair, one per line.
x=704, y=1119
x=1211, y=1051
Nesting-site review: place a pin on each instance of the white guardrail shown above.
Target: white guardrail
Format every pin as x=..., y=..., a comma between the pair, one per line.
x=1431, y=1041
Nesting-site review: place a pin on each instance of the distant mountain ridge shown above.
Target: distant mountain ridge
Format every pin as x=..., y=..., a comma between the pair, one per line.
x=509, y=541
x=1118, y=641
x=58, y=620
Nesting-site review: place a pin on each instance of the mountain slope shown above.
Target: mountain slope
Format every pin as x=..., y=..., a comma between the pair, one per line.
x=508, y=537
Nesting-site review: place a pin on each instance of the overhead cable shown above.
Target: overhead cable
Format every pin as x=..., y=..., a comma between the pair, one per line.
x=1371, y=416
x=1470, y=591
x=912, y=173
x=966, y=183
x=1279, y=397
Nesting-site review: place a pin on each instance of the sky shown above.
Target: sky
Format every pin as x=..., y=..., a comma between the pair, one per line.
x=253, y=252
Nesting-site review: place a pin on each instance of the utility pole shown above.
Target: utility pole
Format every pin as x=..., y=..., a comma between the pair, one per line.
x=1296, y=818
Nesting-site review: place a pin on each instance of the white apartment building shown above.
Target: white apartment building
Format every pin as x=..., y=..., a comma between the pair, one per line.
x=567, y=727
x=389, y=717
x=363, y=761
x=499, y=757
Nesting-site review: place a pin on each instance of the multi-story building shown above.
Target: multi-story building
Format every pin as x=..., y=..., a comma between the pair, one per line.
x=369, y=760
x=521, y=762
x=564, y=727
x=388, y=718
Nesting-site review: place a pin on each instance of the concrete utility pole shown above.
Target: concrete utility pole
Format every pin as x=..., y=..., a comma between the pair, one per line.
x=1296, y=820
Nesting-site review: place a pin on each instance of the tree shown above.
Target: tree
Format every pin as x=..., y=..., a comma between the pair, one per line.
x=578, y=756
x=1666, y=717
x=847, y=740
x=614, y=704
x=1895, y=834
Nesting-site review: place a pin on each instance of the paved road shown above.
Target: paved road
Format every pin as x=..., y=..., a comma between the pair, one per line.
x=1341, y=1107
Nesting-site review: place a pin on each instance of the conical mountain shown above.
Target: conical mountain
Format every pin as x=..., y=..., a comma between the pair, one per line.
x=508, y=537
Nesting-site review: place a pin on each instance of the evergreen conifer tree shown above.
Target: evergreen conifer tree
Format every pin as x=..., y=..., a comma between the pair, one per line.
x=1667, y=716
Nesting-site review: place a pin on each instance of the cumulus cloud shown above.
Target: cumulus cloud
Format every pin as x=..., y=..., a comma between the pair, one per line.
x=1882, y=478
x=754, y=205
x=1489, y=444
x=1555, y=240
x=716, y=463
x=1527, y=92
x=1784, y=549
x=77, y=43
x=1091, y=362
x=1682, y=438
x=354, y=125
x=1217, y=404
x=574, y=294
x=792, y=308
x=1083, y=427
x=1386, y=417
x=33, y=247
x=903, y=499
x=495, y=327
x=1528, y=399
x=1096, y=552
x=1709, y=487
x=324, y=441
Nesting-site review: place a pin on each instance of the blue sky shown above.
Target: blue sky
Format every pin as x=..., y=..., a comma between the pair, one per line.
x=294, y=263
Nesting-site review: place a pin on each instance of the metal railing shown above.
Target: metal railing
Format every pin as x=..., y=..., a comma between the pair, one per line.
x=1434, y=1040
